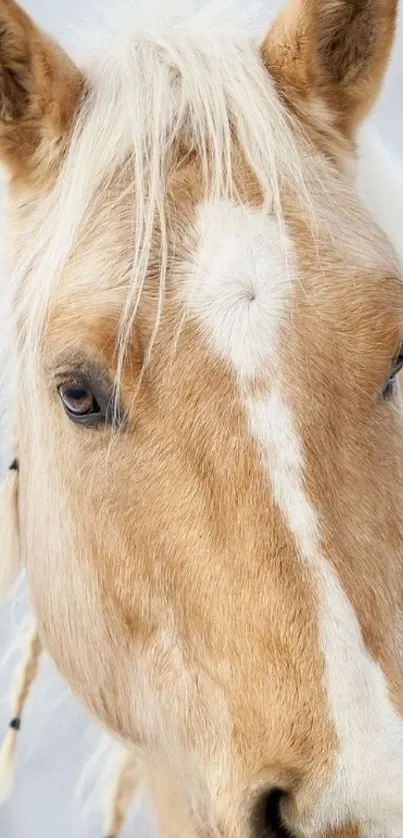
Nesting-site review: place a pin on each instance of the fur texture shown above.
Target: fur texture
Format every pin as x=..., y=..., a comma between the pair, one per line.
x=226, y=575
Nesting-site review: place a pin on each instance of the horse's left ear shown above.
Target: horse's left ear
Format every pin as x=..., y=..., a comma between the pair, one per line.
x=330, y=56
x=40, y=89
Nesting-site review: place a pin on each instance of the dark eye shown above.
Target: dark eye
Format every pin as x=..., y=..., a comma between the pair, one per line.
x=80, y=403
x=78, y=399
x=397, y=365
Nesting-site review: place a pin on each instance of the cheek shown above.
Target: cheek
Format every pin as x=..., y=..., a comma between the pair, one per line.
x=75, y=625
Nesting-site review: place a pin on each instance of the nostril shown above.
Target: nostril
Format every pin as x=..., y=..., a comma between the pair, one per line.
x=272, y=815
x=267, y=818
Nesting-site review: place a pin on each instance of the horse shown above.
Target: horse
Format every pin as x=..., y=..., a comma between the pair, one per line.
x=206, y=335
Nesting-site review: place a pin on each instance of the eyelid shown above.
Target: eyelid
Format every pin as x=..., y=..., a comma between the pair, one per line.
x=91, y=420
x=83, y=369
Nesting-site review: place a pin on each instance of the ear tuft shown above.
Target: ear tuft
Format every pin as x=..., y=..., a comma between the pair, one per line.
x=346, y=39
x=334, y=51
x=40, y=89
x=15, y=72
x=353, y=48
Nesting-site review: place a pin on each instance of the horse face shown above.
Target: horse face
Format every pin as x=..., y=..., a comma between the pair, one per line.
x=208, y=334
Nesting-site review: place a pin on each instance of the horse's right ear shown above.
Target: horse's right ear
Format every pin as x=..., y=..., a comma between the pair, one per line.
x=40, y=89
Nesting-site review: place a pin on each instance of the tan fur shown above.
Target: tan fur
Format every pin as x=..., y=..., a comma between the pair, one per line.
x=333, y=50
x=167, y=584
x=39, y=92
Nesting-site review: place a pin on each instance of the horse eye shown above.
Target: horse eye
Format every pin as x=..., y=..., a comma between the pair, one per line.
x=397, y=365
x=78, y=400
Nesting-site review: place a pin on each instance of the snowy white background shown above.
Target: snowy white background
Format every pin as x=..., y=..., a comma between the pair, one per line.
x=57, y=738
